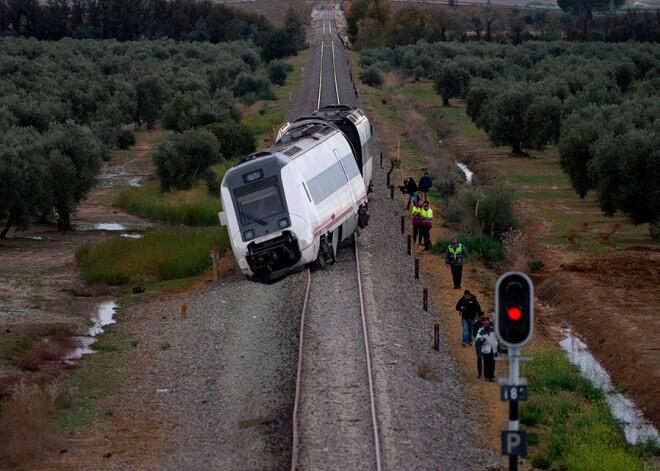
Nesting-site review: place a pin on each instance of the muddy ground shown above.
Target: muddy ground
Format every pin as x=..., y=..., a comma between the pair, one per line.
x=39, y=279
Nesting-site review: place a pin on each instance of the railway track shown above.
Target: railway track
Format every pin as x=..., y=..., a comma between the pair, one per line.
x=334, y=412
x=327, y=37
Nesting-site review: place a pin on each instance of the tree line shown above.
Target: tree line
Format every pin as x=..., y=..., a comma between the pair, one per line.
x=128, y=20
x=191, y=20
x=372, y=23
x=599, y=103
x=64, y=104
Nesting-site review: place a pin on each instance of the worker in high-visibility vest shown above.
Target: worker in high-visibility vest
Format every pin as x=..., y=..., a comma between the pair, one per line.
x=427, y=222
x=455, y=258
x=416, y=214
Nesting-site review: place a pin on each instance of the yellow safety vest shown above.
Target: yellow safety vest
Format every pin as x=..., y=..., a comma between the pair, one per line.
x=427, y=217
x=455, y=252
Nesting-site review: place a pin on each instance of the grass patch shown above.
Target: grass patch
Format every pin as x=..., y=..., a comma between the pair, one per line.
x=160, y=255
x=189, y=207
x=545, y=191
x=95, y=379
x=572, y=426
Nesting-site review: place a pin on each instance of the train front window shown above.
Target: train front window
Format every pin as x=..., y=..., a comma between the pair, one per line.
x=259, y=202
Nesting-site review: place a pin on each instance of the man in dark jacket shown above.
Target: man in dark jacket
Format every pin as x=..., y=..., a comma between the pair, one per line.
x=425, y=184
x=468, y=307
x=409, y=188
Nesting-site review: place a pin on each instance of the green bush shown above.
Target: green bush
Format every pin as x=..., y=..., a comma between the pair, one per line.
x=194, y=109
x=371, y=76
x=478, y=246
x=494, y=213
x=235, y=139
x=185, y=158
x=251, y=88
x=280, y=43
x=125, y=139
x=160, y=255
x=278, y=71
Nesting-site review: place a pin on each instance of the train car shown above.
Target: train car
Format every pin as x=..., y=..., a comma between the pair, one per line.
x=293, y=203
x=354, y=124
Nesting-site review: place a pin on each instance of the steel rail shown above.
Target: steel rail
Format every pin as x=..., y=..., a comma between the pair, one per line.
x=318, y=102
x=334, y=65
x=296, y=400
x=372, y=397
x=334, y=69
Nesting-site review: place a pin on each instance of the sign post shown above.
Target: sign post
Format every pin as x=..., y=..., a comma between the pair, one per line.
x=514, y=324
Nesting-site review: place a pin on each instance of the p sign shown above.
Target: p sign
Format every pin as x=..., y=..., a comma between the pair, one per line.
x=514, y=443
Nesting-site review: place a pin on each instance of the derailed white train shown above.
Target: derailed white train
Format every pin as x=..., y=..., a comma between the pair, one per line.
x=293, y=203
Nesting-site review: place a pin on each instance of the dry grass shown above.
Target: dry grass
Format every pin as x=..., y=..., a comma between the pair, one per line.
x=517, y=250
x=26, y=433
x=52, y=348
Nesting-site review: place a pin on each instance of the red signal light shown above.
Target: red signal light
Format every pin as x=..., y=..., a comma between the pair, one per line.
x=514, y=313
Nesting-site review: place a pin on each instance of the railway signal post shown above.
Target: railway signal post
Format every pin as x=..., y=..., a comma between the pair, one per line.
x=514, y=324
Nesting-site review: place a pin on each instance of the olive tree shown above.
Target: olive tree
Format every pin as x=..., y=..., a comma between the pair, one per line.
x=185, y=158
x=450, y=80
x=23, y=177
x=626, y=175
x=73, y=158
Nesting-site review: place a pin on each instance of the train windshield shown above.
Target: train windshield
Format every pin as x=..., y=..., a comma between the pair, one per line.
x=259, y=201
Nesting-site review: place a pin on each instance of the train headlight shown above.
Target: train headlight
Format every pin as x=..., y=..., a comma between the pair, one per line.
x=249, y=234
x=284, y=222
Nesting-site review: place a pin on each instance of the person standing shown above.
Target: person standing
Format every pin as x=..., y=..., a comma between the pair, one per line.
x=475, y=329
x=416, y=214
x=455, y=258
x=427, y=222
x=423, y=187
x=410, y=188
x=487, y=340
x=468, y=307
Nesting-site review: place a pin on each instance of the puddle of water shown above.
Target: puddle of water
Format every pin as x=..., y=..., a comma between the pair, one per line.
x=105, y=226
x=636, y=427
x=110, y=226
x=132, y=236
x=84, y=348
x=101, y=313
x=102, y=316
x=12, y=236
x=466, y=171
